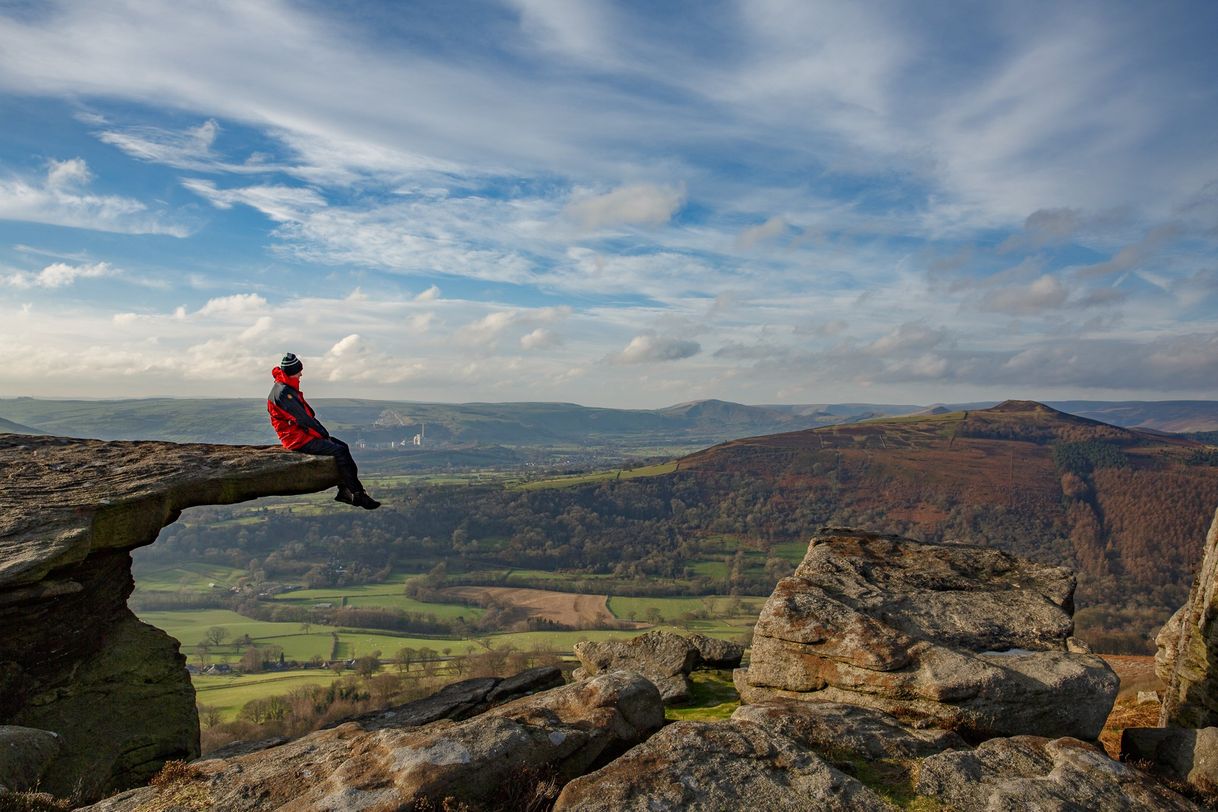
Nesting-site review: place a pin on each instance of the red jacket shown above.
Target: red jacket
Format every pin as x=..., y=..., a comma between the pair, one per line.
x=291, y=415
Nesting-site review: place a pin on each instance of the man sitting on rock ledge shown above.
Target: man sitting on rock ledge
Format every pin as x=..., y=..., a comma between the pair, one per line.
x=300, y=430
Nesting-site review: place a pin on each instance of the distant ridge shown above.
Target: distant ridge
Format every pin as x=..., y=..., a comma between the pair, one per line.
x=691, y=424
x=9, y=427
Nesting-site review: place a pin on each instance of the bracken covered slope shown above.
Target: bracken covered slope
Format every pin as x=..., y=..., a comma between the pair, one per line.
x=1126, y=508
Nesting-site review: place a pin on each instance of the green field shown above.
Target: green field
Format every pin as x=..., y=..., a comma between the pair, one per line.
x=793, y=551
x=228, y=694
x=716, y=615
x=716, y=623
x=195, y=577
x=189, y=627
x=672, y=609
x=599, y=476
x=384, y=596
x=710, y=569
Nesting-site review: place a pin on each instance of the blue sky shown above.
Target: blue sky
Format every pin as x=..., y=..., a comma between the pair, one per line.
x=625, y=204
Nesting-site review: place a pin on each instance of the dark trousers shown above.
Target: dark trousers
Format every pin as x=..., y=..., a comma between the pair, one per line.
x=336, y=448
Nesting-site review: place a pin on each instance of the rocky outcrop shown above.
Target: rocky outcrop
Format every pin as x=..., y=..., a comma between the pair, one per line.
x=25, y=754
x=663, y=657
x=495, y=760
x=1189, y=755
x=1188, y=654
x=834, y=730
x=464, y=699
x=714, y=652
x=74, y=660
x=950, y=636
x=1032, y=772
x=1166, y=643
x=717, y=766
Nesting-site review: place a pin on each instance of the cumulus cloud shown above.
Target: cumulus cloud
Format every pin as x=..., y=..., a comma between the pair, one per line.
x=421, y=323
x=1044, y=293
x=640, y=204
x=58, y=275
x=258, y=329
x=489, y=327
x=539, y=339
x=355, y=358
x=910, y=337
x=487, y=330
x=429, y=295
x=774, y=227
x=60, y=198
x=646, y=348
x=235, y=304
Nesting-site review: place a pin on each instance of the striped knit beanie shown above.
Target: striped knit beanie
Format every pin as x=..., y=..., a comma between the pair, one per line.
x=291, y=364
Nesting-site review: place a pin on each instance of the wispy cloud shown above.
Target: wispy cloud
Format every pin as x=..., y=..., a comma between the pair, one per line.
x=61, y=197
x=280, y=203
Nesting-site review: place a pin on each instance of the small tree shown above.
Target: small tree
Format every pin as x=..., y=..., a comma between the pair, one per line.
x=216, y=635
x=251, y=660
x=209, y=715
x=367, y=666
x=384, y=686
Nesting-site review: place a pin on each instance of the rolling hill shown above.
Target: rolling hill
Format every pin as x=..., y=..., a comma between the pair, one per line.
x=9, y=427
x=1127, y=508
x=537, y=425
x=379, y=422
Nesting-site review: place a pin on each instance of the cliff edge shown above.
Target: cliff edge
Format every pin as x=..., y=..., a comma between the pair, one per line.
x=74, y=659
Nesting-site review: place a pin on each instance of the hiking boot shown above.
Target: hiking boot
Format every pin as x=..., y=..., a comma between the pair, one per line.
x=344, y=496
x=365, y=501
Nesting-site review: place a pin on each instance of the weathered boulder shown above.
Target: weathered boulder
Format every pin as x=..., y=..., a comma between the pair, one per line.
x=1190, y=755
x=1032, y=772
x=1189, y=658
x=957, y=637
x=25, y=754
x=1166, y=643
x=482, y=762
x=714, y=652
x=74, y=659
x=718, y=766
x=662, y=657
x=461, y=700
x=834, y=730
